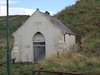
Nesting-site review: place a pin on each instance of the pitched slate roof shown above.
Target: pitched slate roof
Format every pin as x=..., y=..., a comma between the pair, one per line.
x=58, y=23
x=61, y=25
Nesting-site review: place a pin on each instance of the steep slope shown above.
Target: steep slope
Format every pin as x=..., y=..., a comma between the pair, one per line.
x=14, y=22
x=83, y=16
x=83, y=19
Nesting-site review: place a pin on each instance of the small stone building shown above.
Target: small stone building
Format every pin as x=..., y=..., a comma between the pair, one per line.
x=40, y=36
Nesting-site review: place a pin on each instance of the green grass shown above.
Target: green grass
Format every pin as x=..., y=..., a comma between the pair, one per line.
x=83, y=19
x=2, y=53
x=14, y=22
x=77, y=63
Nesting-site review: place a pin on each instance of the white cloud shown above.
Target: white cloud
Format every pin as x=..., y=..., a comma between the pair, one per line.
x=18, y=11
x=2, y=2
x=3, y=10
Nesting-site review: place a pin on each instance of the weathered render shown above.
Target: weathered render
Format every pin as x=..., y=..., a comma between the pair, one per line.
x=40, y=36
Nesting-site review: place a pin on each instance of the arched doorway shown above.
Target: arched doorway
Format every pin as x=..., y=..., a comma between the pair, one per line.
x=39, y=47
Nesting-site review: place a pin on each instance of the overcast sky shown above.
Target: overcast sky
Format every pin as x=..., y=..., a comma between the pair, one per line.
x=27, y=7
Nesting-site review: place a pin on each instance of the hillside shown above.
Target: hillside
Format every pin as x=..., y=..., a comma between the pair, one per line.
x=14, y=21
x=83, y=19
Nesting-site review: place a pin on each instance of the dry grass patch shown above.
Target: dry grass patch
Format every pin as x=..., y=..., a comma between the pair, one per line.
x=63, y=58
x=93, y=61
x=77, y=57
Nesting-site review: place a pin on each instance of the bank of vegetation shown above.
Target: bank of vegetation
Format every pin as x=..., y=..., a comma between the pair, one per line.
x=83, y=19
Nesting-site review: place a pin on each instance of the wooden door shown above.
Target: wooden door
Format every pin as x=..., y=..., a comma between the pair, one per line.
x=39, y=47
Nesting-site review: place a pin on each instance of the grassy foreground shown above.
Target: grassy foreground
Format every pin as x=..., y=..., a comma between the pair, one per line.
x=63, y=62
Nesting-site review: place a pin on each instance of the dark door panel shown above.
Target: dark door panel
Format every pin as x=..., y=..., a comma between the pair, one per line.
x=39, y=51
